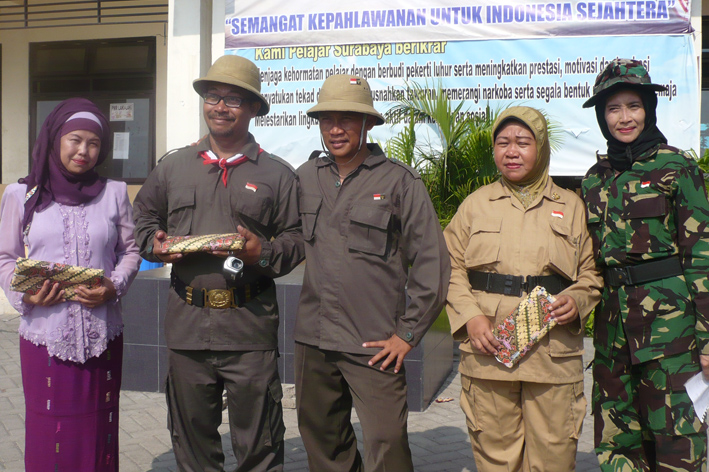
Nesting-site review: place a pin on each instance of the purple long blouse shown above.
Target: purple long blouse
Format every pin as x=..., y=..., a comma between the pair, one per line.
x=99, y=235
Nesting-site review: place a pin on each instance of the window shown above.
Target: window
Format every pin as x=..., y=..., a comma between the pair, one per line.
x=116, y=74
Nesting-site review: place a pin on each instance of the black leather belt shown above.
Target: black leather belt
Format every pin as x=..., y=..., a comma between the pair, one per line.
x=643, y=272
x=515, y=284
x=220, y=298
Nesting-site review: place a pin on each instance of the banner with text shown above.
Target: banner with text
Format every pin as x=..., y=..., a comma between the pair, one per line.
x=299, y=22
x=555, y=74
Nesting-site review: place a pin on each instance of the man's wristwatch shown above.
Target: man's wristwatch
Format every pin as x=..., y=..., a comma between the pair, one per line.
x=263, y=262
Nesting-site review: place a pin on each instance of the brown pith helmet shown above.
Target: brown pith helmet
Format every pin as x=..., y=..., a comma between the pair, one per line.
x=234, y=70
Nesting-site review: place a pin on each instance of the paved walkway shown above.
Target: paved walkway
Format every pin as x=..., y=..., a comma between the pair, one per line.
x=438, y=436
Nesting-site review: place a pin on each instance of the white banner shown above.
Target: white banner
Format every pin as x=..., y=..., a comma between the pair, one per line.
x=299, y=22
x=555, y=74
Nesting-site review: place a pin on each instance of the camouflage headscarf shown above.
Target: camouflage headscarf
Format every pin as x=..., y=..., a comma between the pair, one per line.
x=527, y=190
x=619, y=75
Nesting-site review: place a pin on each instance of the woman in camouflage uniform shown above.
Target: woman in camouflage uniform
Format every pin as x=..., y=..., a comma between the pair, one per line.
x=648, y=216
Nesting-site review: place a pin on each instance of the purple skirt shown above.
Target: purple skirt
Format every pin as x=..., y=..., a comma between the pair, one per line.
x=71, y=421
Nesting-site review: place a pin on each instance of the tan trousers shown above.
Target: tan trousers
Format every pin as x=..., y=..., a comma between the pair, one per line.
x=523, y=426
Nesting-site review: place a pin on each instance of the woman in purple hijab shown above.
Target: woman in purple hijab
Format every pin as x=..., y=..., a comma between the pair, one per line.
x=71, y=350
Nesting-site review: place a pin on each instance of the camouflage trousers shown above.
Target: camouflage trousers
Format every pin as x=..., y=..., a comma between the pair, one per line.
x=644, y=419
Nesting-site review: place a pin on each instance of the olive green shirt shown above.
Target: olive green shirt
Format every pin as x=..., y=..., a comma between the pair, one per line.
x=183, y=196
x=376, y=261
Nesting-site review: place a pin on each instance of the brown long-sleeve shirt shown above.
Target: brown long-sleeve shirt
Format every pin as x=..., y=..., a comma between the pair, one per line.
x=368, y=243
x=182, y=196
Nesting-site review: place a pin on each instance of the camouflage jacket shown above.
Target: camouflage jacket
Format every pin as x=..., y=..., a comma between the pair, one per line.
x=656, y=209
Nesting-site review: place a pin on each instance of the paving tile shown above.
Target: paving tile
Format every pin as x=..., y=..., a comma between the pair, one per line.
x=438, y=435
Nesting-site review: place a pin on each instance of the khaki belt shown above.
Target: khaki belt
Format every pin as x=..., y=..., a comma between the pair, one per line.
x=219, y=298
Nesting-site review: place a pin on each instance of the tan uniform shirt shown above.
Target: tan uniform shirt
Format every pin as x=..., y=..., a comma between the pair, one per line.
x=492, y=232
x=182, y=196
x=368, y=243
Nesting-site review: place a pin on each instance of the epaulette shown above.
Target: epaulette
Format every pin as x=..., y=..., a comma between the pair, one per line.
x=687, y=155
x=280, y=160
x=411, y=170
x=672, y=149
x=315, y=154
x=170, y=152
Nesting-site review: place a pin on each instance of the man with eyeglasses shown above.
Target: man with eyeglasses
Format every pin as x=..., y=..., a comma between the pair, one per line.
x=224, y=184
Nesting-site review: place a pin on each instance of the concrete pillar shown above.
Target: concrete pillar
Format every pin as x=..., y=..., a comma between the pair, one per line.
x=195, y=40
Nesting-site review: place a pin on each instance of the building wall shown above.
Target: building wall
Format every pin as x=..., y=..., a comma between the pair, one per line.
x=15, y=84
x=196, y=37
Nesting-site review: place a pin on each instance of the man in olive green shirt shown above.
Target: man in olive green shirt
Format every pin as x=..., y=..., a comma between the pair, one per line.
x=224, y=184
x=372, y=237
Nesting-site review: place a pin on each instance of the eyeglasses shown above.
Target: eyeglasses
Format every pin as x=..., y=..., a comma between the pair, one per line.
x=230, y=101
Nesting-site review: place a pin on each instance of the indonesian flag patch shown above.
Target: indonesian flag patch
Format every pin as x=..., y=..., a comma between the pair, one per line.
x=557, y=214
x=250, y=186
x=645, y=184
x=378, y=196
x=354, y=81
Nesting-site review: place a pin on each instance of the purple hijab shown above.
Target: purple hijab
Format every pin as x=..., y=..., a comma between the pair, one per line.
x=53, y=182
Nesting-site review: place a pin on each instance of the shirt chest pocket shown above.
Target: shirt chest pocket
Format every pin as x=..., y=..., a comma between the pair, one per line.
x=369, y=229
x=646, y=224
x=564, y=249
x=180, y=211
x=252, y=206
x=309, y=210
x=484, y=243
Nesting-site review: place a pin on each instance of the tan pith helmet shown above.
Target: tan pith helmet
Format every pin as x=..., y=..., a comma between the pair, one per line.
x=234, y=70
x=343, y=92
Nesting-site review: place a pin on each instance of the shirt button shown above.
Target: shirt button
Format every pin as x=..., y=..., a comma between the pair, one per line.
x=409, y=336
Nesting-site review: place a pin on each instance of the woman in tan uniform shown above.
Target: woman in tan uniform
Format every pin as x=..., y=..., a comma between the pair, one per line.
x=506, y=238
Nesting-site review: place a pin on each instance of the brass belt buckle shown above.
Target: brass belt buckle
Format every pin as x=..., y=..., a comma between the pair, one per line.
x=219, y=298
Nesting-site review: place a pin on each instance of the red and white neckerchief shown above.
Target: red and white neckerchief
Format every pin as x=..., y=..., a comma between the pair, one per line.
x=211, y=158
